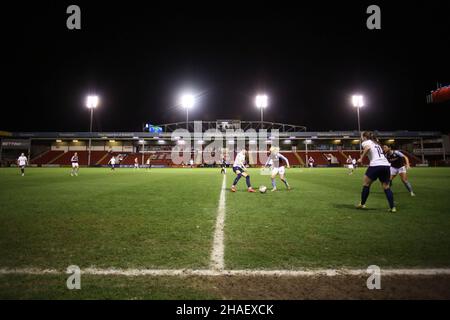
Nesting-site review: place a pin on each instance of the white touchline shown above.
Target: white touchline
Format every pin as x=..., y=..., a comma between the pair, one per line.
x=244, y=272
x=218, y=250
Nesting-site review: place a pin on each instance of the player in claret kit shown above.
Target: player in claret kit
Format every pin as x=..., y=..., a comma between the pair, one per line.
x=22, y=162
x=240, y=170
x=311, y=162
x=75, y=165
x=351, y=164
x=278, y=164
x=399, y=165
x=379, y=168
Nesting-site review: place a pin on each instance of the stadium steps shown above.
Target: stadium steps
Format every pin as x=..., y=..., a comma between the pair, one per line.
x=300, y=159
x=57, y=157
x=102, y=159
x=39, y=156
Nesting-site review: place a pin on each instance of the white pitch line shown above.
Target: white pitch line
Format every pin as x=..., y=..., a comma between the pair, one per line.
x=218, y=250
x=245, y=272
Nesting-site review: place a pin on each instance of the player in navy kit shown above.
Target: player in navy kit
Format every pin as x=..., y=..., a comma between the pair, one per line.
x=399, y=165
x=223, y=166
x=379, y=168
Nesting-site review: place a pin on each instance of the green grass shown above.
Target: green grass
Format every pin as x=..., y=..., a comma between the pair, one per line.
x=165, y=218
x=316, y=224
x=157, y=219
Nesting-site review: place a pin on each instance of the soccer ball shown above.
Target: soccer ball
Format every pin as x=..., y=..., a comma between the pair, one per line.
x=262, y=189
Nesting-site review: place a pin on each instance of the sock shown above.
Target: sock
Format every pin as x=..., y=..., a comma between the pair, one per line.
x=237, y=179
x=390, y=197
x=390, y=184
x=364, y=194
x=247, y=180
x=408, y=186
x=274, y=184
x=285, y=183
x=22, y=170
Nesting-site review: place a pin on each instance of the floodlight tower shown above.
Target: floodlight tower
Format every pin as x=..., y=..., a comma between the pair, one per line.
x=261, y=102
x=187, y=102
x=358, y=103
x=91, y=103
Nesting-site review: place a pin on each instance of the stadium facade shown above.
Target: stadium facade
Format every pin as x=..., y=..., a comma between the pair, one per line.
x=328, y=148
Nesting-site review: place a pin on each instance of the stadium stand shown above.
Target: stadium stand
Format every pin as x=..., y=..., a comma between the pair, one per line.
x=48, y=157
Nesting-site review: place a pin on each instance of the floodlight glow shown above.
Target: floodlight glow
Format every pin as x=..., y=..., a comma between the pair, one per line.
x=75, y=141
x=161, y=141
x=187, y=101
x=358, y=101
x=112, y=141
x=58, y=141
x=287, y=141
x=307, y=141
x=261, y=101
x=92, y=102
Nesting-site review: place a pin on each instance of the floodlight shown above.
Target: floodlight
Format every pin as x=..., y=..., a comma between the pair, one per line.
x=92, y=102
x=261, y=101
x=187, y=101
x=358, y=101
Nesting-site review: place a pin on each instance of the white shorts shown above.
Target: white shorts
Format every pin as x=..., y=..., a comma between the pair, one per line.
x=396, y=171
x=74, y=164
x=279, y=170
x=350, y=166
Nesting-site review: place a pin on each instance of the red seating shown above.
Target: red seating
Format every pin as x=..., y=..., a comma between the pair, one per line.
x=47, y=157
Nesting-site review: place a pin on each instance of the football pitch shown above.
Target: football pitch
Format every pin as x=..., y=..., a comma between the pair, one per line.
x=182, y=219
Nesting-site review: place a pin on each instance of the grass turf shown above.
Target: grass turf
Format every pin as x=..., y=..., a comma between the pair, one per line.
x=165, y=219
x=316, y=223
x=157, y=219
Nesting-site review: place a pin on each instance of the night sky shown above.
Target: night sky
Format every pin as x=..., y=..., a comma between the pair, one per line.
x=309, y=59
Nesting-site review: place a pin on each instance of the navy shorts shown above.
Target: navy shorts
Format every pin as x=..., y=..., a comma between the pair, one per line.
x=238, y=168
x=383, y=173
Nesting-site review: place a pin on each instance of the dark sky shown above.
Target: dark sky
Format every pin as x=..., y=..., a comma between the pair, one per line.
x=139, y=55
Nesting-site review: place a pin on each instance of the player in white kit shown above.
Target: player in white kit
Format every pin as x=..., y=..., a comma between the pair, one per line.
x=240, y=170
x=379, y=168
x=278, y=164
x=112, y=162
x=22, y=162
x=136, y=163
